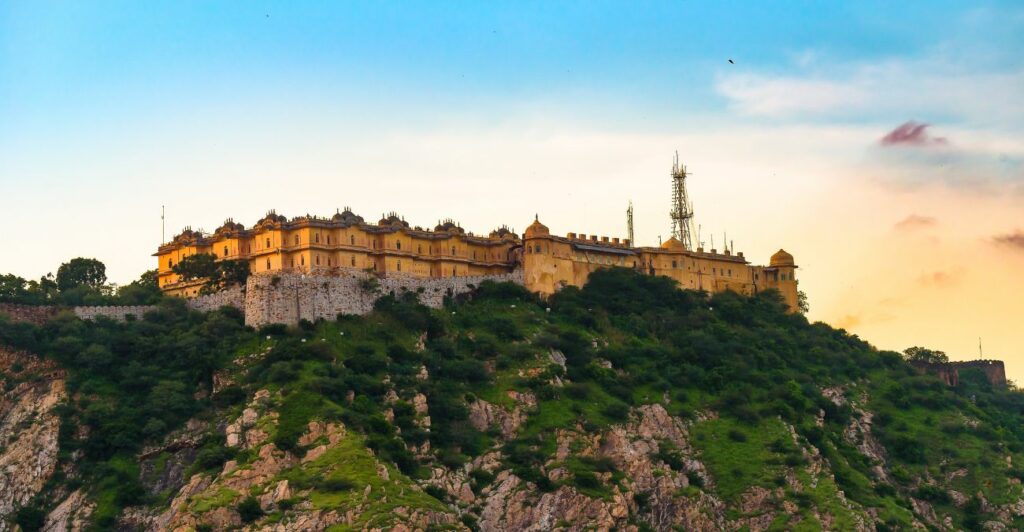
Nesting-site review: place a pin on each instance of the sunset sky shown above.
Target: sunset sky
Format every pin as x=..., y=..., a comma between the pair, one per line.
x=881, y=143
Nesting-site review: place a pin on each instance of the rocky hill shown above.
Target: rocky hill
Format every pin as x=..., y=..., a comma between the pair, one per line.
x=626, y=405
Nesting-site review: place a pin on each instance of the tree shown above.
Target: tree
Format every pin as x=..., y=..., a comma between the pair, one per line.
x=801, y=302
x=228, y=273
x=199, y=266
x=921, y=354
x=81, y=272
x=143, y=291
x=13, y=289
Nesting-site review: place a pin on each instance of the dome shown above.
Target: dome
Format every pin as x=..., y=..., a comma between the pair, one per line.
x=503, y=232
x=392, y=220
x=781, y=258
x=347, y=216
x=673, y=244
x=536, y=229
x=448, y=226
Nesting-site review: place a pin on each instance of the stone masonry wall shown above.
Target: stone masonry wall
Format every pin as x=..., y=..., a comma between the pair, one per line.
x=231, y=297
x=118, y=313
x=37, y=314
x=290, y=297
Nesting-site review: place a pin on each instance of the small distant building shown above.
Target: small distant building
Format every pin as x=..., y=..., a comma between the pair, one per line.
x=949, y=372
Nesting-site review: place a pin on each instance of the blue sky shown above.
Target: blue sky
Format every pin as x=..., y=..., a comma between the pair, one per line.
x=489, y=112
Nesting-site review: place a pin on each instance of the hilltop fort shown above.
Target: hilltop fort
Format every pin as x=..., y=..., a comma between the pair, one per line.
x=449, y=259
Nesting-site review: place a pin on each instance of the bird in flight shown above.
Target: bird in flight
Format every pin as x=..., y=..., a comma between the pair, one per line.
x=731, y=62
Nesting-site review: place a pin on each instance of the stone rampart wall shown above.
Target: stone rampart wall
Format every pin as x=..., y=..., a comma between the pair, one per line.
x=37, y=314
x=117, y=313
x=231, y=297
x=290, y=297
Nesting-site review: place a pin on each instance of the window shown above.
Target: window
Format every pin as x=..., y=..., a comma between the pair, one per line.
x=268, y=243
x=353, y=260
x=318, y=259
x=268, y=264
x=453, y=252
x=352, y=239
x=673, y=264
x=398, y=244
x=225, y=251
x=474, y=255
x=316, y=238
x=170, y=263
x=453, y=272
x=328, y=240
x=399, y=265
x=419, y=250
x=296, y=240
x=302, y=260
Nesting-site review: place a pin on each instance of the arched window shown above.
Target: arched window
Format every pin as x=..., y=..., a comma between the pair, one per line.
x=399, y=265
x=398, y=244
x=353, y=260
x=225, y=251
x=316, y=237
x=352, y=239
x=302, y=260
x=170, y=263
x=268, y=264
x=453, y=252
x=268, y=242
x=318, y=259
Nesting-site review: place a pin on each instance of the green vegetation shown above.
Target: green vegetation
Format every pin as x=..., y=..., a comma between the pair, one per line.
x=79, y=281
x=747, y=375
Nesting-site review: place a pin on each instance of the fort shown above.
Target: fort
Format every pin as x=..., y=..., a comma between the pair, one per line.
x=345, y=247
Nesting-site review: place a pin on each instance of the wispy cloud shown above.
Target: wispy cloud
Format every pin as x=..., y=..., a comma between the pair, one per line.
x=912, y=134
x=1014, y=240
x=940, y=278
x=878, y=90
x=914, y=221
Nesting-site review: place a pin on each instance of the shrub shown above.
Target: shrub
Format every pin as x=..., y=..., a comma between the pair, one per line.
x=249, y=509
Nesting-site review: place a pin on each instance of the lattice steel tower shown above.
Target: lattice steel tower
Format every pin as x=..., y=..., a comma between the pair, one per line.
x=682, y=209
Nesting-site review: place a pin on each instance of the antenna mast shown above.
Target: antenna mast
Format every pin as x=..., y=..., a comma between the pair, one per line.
x=163, y=226
x=682, y=209
x=629, y=224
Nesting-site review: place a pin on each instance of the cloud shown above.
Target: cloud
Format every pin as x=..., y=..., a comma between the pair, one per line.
x=848, y=321
x=914, y=221
x=913, y=134
x=955, y=90
x=1014, y=240
x=940, y=279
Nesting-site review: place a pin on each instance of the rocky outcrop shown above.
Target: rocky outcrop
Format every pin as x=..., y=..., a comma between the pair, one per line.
x=28, y=427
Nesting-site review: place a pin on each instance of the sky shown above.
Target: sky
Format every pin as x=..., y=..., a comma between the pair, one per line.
x=881, y=143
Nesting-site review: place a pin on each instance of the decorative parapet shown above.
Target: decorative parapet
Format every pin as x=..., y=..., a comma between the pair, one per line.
x=117, y=313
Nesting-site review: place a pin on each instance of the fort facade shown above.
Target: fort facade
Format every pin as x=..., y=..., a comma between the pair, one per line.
x=346, y=247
